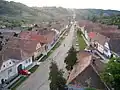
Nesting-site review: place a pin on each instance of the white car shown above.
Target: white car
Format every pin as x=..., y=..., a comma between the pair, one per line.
x=66, y=34
x=29, y=73
x=38, y=63
x=77, y=44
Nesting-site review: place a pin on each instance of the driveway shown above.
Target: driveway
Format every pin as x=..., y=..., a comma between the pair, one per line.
x=39, y=79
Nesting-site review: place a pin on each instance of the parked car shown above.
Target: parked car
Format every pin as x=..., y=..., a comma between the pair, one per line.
x=77, y=44
x=66, y=34
x=25, y=72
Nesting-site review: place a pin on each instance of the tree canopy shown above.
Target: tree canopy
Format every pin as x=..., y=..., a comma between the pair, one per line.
x=56, y=77
x=71, y=59
x=111, y=75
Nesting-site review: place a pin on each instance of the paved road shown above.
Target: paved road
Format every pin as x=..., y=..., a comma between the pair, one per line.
x=39, y=79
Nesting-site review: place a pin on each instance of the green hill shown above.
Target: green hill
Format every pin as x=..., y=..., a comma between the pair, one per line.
x=12, y=13
x=85, y=13
x=17, y=11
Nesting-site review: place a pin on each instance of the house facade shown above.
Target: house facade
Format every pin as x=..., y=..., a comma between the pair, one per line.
x=25, y=63
x=13, y=60
x=10, y=68
x=107, y=50
x=100, y=42
x=7, y=70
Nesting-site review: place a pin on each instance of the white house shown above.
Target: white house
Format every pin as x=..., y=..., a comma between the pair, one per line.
x=100, y=42
x=7, y=70
x=11, y=61
x=107, y=50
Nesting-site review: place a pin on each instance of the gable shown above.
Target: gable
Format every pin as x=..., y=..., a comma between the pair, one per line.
x=6, y=64
x=38, y=46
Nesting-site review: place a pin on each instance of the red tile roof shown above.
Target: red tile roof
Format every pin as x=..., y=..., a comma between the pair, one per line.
x=91, y=34
x=40, y=38
x=16, y=53
x=43, y=37
x=101, y=39
x=28, y=45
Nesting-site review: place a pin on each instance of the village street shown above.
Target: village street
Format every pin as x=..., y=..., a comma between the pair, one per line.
x=39, y=79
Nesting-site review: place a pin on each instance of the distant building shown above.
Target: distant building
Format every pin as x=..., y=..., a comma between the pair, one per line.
x=105, y=38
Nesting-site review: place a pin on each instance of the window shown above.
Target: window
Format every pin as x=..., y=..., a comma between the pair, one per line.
x=3, y=65
x=26, y=61
x=105, y=49
x=29, y=60
x=13, y=61
x=9, y=71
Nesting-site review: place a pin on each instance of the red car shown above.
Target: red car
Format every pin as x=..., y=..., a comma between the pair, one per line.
x=24, y=72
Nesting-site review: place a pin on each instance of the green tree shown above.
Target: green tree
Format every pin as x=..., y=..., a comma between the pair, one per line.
x=111, y=75
x=30, y=29
x=94, y=19
x=71, y=59
x=56, y=77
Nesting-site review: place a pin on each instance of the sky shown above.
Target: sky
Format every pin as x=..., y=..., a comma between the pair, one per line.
x=97, y=4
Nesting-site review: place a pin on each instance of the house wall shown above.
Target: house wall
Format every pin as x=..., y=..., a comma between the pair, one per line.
x=107, y=51
x=44, y=52
x=8, y=71
x=38, y=50
x=26, y=62
x=6, y=64
x=86, y=36
x=100, y=48
x=12, y=70
x=82, y=29
x=49, y=45
x=36, y=54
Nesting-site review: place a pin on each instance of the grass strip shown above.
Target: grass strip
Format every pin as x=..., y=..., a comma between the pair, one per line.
x=81, y=41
